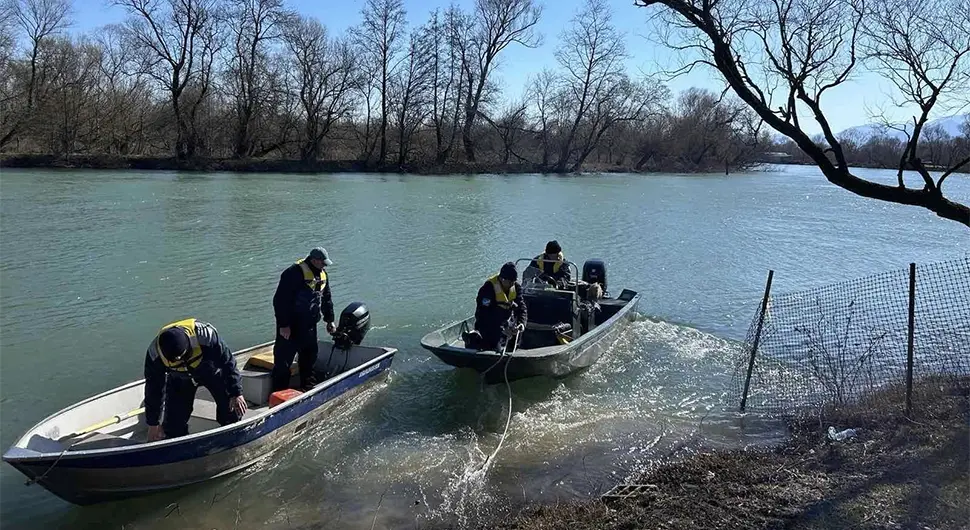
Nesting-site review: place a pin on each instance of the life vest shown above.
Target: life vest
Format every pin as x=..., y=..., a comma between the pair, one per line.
x=194, y=357
x=308, y=301
x=555, y=265
x=314, y=282
x=501, y=299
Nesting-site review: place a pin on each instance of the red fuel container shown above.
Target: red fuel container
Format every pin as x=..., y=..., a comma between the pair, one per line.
x=282, y=395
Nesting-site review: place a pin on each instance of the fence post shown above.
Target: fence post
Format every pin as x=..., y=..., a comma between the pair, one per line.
x=757, y=338
x=909, y=346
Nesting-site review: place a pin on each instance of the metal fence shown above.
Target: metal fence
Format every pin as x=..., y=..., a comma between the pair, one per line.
x=836, y=345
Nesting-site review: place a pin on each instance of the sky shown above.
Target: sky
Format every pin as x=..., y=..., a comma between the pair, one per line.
x=848, y=105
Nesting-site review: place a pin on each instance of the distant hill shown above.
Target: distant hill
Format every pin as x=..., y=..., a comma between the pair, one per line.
x=951, y=124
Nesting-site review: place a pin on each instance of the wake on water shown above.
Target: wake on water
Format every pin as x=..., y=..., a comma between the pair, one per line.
x=654, y=369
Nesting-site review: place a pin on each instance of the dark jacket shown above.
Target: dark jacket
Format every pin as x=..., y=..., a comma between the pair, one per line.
x=290, y=303
x=218, y=367
x=490, y=318
x=562, y=275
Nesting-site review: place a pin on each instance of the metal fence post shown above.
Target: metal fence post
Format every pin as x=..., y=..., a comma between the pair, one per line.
x=909, y=347
x=757, y=337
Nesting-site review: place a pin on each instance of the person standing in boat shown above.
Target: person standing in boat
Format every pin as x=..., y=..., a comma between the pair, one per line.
x=183, y=356
x=302, y=297
x=500, y=311
x=552, y=265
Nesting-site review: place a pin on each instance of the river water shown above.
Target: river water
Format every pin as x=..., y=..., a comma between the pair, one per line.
x=93, y=263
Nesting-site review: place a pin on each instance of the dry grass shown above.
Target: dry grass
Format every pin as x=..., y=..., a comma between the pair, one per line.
x=897, y=473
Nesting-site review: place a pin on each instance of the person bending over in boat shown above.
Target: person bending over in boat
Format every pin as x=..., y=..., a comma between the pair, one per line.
x=183, y=356
x=499, y=310
x=552, y=265
x=302, y=297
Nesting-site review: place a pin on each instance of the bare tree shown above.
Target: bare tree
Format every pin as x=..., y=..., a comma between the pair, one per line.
x=923, y=51
x=498, y=23
x=799, y=50
x=126, y=95
x=39, y=20
x=323, y=72
x=8, y=31
x=549, y=109
x=511, y=126
x=176, y=42
x=444, y=37
x=254, y=24
x=412, y=91
x=626, y=101
x=380, y=40
x=591, y=52
x=67, y=115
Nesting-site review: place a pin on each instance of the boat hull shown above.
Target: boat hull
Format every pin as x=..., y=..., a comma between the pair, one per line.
x=560, y=362
x=104, y=476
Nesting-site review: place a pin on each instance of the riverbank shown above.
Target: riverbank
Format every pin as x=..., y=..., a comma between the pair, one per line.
x=268, y=165
x=896, y=473
x=265, y=165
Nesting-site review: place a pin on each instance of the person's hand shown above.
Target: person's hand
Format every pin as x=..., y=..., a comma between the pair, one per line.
x=238, y=405
x=512, y=330
x=155, y=433
x=331, y=328
x=285, y=332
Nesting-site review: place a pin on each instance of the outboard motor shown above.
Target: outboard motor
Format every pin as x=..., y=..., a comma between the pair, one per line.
x=594, y=271
x=353, y=325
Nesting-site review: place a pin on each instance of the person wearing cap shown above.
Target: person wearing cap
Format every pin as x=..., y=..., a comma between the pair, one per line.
x=552, y=265
x=500, y=311
x=302, y=298
x=183, y=356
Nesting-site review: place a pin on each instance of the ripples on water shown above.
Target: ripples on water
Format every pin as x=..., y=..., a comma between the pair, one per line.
x=133, y=251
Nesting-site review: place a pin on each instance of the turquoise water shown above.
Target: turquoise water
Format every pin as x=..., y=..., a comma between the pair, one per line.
x=93, y=263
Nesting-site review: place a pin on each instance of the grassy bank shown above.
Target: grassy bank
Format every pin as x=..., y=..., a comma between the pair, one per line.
x=897, y=472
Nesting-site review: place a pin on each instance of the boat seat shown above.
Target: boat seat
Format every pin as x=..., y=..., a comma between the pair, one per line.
x=103, y=441
x=548, y=308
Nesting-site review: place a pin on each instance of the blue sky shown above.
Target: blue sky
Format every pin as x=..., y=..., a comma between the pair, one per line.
x=846, y=106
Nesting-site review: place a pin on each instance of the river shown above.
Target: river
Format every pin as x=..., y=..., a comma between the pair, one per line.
x=94, y=262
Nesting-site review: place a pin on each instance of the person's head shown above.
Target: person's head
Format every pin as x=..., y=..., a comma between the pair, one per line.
x=173, y=344
x=319, y=258
x=508, y=275
x=553, y=249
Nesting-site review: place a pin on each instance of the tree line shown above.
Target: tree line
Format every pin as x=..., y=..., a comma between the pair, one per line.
x=253, y=79
x=937, y=148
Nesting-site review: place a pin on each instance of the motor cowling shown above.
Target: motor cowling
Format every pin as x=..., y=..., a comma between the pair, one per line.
x=353, y=326
x=594, y=271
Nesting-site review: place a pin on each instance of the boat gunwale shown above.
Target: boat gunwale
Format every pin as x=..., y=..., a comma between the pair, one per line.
x=73, y=455
x=554, y=350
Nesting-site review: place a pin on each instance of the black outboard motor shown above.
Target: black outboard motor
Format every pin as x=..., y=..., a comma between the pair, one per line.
x=353, y=325
x=594, y=271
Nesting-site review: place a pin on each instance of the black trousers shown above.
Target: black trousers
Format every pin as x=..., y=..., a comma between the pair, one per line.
x=179, y=401
x=302, y=342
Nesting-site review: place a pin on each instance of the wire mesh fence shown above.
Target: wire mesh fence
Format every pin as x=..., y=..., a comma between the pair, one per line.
x=839, y=344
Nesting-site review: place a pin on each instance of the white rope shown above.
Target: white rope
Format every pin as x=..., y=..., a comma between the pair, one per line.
x=509, y=388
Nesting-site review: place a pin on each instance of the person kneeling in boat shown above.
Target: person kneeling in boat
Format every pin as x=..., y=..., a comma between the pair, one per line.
x=496, y=307
x=183, y=356
x=552, y=265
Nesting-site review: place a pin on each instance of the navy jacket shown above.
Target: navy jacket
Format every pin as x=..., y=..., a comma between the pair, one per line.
x=489, y=317
x=285, y=302
x=218, y=367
